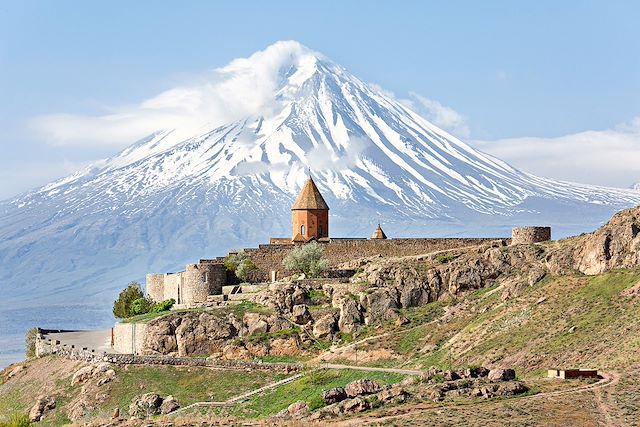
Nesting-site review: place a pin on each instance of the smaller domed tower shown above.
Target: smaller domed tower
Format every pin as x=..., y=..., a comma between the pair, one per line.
x=378, y=234
x=310, y=214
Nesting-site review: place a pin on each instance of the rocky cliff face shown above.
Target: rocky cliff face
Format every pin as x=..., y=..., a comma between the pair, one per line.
x=291, y=321
x=615, y=245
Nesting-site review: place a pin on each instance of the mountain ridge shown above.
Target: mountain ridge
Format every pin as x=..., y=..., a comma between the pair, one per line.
x=198, y=190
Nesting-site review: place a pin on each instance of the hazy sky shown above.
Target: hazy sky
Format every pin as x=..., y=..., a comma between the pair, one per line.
x=552, y=87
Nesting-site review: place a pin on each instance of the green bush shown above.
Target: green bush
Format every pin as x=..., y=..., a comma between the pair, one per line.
x=445, y=258
x=163, y=306
x=30, y=342
x=140, y=306
x=240, y=264
x=122, y=307
x=307, y=259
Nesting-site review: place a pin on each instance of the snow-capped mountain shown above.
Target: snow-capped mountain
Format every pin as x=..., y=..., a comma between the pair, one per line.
x=635, y=186
x=204, y=188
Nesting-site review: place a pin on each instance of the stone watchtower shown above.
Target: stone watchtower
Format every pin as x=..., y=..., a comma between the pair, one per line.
x=310, y=214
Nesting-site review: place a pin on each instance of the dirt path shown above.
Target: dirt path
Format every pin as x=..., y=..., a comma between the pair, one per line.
x=605, y=401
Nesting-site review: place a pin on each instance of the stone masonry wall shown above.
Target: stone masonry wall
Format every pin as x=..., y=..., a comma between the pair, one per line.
x=190, y=286
x=523, y=235
x=128, y=337
x=339, y=251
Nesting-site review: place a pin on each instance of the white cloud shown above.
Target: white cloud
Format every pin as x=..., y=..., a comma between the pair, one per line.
x=243, y=88
x=440, y=115
x=324, y=159
x=606, y=157
x=16, y=178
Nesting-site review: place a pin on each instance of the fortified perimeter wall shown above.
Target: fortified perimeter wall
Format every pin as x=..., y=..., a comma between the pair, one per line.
x=524, y=235
x=190, y=286
x=338, y=251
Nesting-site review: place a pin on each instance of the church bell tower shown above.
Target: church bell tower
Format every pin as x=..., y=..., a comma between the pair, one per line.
x=310, y=214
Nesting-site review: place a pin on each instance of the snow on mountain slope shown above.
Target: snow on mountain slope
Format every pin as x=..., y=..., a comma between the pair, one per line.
x=203, y=188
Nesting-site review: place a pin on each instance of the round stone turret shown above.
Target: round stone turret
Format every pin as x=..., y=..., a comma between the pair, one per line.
x=527, y=235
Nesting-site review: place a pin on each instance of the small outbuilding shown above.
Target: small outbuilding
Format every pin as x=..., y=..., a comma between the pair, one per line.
x=568, y=374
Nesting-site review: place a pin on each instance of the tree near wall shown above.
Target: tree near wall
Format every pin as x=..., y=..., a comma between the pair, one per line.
x=123, y=306
x=308, y=259
x=240, y=264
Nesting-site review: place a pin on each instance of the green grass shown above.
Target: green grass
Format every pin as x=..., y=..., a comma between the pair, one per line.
x=187, y=384
x=309, y=389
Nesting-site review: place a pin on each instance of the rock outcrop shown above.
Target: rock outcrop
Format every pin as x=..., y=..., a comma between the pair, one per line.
x=40, y=408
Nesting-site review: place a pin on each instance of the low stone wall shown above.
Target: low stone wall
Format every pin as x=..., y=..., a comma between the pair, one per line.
x=45, y=347
x=524, y=235
x=128, y=338
x=338, y=251
x=130, y=359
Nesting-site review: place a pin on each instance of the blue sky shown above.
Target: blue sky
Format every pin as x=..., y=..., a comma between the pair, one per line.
x=520, y=78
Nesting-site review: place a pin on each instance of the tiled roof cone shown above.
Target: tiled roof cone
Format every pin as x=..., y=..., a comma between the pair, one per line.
x=310, y=198
x=378, y=234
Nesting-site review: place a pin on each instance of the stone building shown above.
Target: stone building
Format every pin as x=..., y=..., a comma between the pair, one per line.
x=310, y=214
x=310, y=222
x=191, y=286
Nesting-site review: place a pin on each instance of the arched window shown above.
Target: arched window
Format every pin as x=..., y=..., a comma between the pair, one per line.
x=302, y=230
x=321, y=230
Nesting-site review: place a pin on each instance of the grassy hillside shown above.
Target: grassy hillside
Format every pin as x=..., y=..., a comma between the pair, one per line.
x=52, y=376
x=562, y=321
x=565, y=321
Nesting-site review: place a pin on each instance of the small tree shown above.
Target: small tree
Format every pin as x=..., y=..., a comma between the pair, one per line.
x=307, y=259
x=122, y=307
x=140, y=306
x=30, y=342
x=240, y=264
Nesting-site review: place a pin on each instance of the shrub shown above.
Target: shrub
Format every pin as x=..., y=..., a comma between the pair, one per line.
x=243, y=269
x=307, y=259
x=445, y=258
x=30, y=342
x=123, y=305
x=17, y=420
x=163, y=306
x=140, y=306
x=240, y=264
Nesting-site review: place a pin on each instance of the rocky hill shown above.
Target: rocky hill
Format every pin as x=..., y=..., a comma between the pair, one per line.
x=572, y=303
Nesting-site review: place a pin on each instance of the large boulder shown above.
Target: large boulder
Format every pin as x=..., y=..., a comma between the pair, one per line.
x=255, y=323
x=145, y=406
x=377, y=303
x=284, y=346
x=361, y=387
x=350, y=314
x=394, y=392
x=39, y=409
x=82, y=375
x=300, y=314
x=501, y=375
x=297, y=409
x=324, y=326
x=169, y=404
x=357, y=404
x=334, y=395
